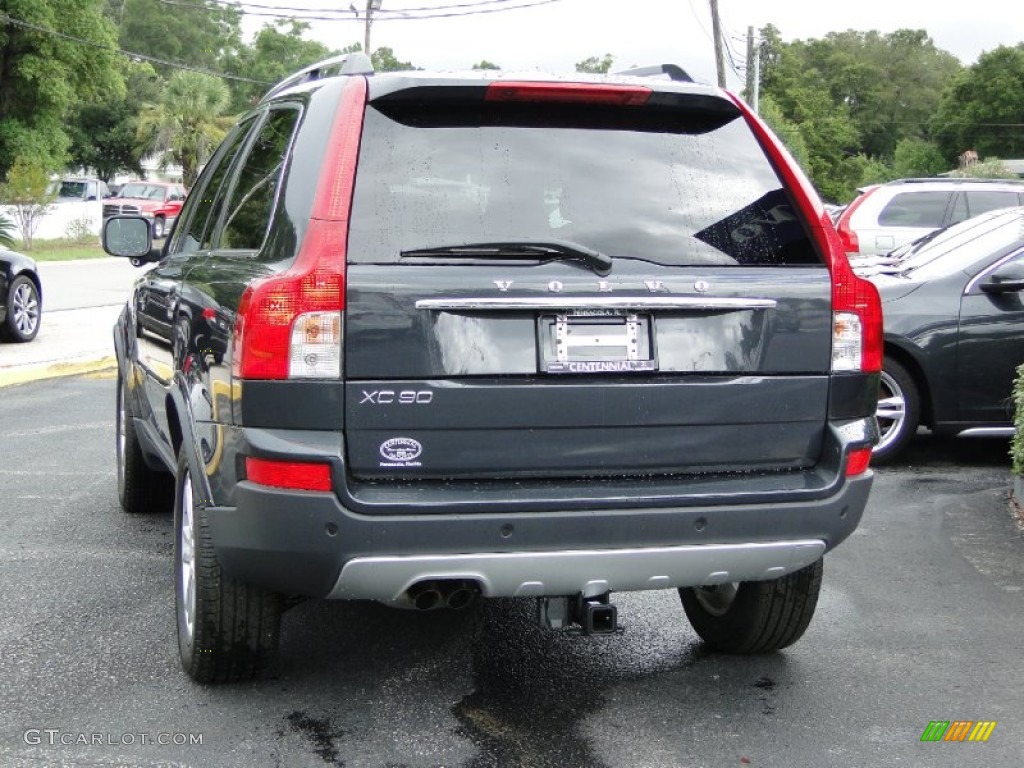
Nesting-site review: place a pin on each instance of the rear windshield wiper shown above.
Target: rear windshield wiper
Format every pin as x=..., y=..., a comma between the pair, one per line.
x=601, y=263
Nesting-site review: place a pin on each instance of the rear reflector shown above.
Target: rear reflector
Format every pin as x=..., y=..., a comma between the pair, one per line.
x=569, y=93
x=298, y=475
x=857, y=462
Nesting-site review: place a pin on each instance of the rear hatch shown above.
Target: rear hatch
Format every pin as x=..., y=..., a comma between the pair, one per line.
x=569, y=284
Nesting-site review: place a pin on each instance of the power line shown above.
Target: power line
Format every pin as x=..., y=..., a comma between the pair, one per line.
x=8, y=19
x=314, y=14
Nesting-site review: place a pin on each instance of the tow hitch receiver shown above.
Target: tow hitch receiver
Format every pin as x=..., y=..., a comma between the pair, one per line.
x=594, y=615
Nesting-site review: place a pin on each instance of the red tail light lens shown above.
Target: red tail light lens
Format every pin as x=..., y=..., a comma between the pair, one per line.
x=297, y=475
x=857, y=462
x=569, y=93
x=856, y=307
x=289, y=325
x=847, y=236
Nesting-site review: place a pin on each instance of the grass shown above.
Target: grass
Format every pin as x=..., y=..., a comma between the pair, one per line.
x=64, y=250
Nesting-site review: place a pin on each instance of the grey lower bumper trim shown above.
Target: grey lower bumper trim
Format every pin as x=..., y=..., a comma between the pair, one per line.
x=590, y=572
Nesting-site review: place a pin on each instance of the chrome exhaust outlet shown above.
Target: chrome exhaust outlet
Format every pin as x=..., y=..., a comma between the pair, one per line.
x=425, y=595
x=460, y=594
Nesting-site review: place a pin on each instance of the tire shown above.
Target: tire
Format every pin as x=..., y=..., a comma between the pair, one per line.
x=140, y=489
x=898, y=412
x=24, y=311
x=754, y=616
x=227, y=630
x=159, y=227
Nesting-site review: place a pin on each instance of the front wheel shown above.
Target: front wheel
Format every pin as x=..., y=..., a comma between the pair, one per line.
x=754, y=616
x=159, y=227
x=24, y=311
x=227, y=630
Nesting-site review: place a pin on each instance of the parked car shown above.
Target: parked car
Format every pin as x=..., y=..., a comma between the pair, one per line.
x=884, y=217
x=21, y=297
x=492, y=364
x=81, y=188
x=158, y=201
x=954, y=332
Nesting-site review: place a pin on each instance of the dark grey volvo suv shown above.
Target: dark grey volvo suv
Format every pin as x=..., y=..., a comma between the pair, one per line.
x=421, y=338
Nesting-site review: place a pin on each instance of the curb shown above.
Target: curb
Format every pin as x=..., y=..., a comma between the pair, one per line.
x=28, y=373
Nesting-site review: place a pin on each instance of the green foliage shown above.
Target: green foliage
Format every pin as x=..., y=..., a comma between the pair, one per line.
x=983, y=108
x=854, y=97
x=916, y=157
x=200, y=33
x=28, y=191
x=384, y=60
x=277, y=51
x=189, y=123
x=485, y=64
x=7, y=232
x=595, y=64
x=989, y=168
x=786, y=130
x=44, y=76
x=1017, y=443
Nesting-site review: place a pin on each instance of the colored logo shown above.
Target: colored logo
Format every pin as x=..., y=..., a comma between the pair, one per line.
x=958, y=730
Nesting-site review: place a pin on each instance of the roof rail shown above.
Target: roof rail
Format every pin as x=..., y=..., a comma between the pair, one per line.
x=672, y=70
x=345, y=64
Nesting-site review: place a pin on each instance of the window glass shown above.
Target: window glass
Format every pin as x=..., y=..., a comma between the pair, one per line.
x=248, y=214
x=979, y=201
x=686, y=185
x=200, y=211
x=915, y=209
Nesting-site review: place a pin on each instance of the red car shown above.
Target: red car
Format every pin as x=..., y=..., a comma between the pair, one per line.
x=156, y=200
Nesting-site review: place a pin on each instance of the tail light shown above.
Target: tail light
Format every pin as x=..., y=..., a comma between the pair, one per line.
x=569, y=93
x=856, y=307
x=847, y=237
x=290, y=325
x=857, y=462
x=299, y=475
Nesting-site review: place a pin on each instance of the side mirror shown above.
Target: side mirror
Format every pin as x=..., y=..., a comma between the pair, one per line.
x=130, y=237
x=1009, y=278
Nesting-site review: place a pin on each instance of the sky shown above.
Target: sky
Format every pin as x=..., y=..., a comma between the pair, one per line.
x=555, y=35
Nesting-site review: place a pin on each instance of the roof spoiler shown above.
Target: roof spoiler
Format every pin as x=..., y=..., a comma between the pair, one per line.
x=345, y=64
x=673, y=71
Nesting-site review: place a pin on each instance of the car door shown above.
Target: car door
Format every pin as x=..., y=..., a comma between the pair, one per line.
x=990, y=346
x=160, y=314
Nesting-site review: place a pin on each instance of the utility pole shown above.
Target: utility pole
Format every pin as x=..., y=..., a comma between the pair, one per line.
x=753, y=69
x=371, y=6
x=716, y=30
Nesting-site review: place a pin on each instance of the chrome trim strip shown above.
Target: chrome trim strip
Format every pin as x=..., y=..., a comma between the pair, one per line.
x=987, y=432
x=568, y=572
x=596, y=302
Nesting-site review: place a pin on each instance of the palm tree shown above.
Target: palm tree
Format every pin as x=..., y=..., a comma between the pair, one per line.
x=189, y=123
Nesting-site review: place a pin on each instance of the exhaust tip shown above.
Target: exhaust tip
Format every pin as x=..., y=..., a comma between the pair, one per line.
x=462, y=594
x=425, y=596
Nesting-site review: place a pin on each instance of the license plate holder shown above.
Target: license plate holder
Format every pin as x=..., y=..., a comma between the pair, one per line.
x=600, y=342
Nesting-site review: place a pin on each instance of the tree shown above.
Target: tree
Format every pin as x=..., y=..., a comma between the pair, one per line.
x=188, y=124
x=983, y=108
x=384, y=60
x=485, y=64
x=7, y=231
x=599, y=66
x=28, y=192
x=43, y=75
x=103, y=132
x=200, y=33
x=277, y=50
x=917, y=157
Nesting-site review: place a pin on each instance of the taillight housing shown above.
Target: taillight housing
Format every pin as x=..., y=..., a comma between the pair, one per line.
x=847, y=237
x=856, y=307
x=290, y=325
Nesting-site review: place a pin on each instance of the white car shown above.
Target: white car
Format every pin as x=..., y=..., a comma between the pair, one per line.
x=886, y=216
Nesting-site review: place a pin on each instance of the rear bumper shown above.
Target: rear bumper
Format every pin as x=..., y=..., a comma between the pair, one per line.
x=308, y=543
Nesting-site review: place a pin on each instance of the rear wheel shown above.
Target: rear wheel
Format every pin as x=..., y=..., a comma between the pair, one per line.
x=754, y=616
x=898, y=413
x=227, y=630
x=140, y=489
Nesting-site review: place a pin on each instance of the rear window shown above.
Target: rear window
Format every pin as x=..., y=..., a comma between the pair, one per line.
x=915, y=209
x=667, y=186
